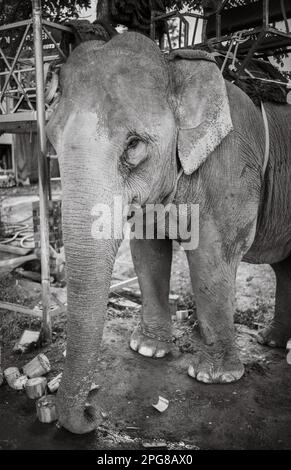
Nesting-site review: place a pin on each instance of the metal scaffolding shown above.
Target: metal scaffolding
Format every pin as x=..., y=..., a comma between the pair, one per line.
x=256, y=24
x=23, y=108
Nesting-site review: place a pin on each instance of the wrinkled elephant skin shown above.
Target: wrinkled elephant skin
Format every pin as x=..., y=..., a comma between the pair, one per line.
x=128, y=120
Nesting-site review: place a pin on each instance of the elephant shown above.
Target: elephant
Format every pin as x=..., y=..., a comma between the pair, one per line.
x=151, y=129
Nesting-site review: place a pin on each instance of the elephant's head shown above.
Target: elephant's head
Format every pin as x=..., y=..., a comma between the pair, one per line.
x=125, y=114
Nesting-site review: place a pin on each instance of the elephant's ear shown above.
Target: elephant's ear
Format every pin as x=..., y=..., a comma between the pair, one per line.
x=201, y=106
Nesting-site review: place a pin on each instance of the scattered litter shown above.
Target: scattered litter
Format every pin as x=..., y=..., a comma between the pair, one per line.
x=181, y=446
x=132, y=428
x=37, y=367
x=173, y=303
x=104, y=415
x=94, y=387
x=182, y=315
x=46, y=409
x=27, y=341
x=65, y=353
x=11, y=374
x=14, y=379
x=154, y=444
x=54, y=383
x=35, y=388
x=19, y=383
x=162, y=404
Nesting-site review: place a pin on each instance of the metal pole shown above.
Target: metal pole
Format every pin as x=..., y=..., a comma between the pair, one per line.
x=265, y=13
x=42, y=170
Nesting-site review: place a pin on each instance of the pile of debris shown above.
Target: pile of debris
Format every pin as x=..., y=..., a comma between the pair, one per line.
x=32, y=378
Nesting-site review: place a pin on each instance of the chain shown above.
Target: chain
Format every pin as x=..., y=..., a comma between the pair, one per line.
x=151, y=335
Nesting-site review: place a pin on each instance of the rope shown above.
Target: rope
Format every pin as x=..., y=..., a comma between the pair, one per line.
x=268, y=80
x=236, y=40
x=269, y=86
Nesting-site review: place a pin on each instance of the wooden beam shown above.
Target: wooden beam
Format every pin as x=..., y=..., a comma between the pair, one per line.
x=18, y=309
x=28, y=311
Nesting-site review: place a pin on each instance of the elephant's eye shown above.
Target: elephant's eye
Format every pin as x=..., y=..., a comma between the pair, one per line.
x=135, y=151
x=132, y=143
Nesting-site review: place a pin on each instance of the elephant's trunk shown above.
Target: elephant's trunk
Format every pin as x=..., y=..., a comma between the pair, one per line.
x=89, y=268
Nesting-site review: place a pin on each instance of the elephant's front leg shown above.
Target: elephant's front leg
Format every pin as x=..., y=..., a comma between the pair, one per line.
x=213, y=281
x=152, y=261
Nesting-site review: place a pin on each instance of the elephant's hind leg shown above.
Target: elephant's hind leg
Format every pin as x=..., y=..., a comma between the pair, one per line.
x=152, y=261
x=278, y=332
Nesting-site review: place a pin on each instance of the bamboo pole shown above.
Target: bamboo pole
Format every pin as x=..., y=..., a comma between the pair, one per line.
x=121, y=284
x=18, y=309
x=42, y=170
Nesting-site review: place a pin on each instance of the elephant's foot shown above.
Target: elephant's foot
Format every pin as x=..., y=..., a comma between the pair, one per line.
x=275, y=335
x=151, y=344
x=217, y=365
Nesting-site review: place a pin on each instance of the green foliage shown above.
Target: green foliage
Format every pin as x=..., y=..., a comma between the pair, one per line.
x=197, y=4
x=59, y=10
x=54, y=10
x=12, y=11
x=159, y=5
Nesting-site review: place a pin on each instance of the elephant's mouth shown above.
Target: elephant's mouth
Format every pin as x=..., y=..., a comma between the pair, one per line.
x=134, y=210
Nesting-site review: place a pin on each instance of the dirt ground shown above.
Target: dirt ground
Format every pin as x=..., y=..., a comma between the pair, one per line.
x=254, y=413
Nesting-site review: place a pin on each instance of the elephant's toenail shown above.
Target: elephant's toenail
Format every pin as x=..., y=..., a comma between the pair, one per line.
x=227, y=378
x=146, y=351
x=203, y=377
x=133, y=344
x=191, y=372
x=160, y=353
